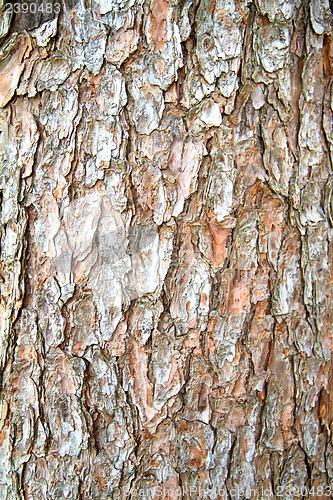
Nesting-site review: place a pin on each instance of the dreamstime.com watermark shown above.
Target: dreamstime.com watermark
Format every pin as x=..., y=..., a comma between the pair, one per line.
x=287, y=492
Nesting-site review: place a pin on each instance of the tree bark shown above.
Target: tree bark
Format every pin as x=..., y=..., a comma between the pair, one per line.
x=166, y=249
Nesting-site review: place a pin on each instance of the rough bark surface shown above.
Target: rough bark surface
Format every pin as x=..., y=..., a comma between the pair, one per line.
x=166, y=250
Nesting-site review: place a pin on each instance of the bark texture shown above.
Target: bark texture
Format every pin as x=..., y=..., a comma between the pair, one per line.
x=166, y=250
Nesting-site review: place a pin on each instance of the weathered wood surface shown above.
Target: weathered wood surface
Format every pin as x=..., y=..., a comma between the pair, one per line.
x=166, y=250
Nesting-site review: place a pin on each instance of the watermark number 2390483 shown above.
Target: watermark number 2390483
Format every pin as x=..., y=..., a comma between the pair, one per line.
x=32, y=7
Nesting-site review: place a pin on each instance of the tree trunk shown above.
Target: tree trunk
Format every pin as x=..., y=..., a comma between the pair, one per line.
x=166, y=249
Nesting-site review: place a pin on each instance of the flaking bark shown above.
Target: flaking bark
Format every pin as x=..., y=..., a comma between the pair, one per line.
x=166, y=323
